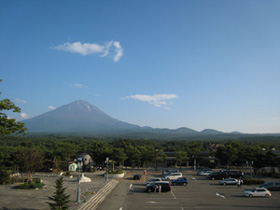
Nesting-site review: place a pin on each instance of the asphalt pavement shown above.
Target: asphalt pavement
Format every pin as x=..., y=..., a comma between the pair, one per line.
x=200, y=193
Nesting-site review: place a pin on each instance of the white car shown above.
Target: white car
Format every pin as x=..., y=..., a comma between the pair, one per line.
x=205, y=173
x=174, y=176
x=260, y=192
x=153, y=180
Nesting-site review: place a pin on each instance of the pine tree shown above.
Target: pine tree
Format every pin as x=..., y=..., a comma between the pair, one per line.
x=8, y=125
x=60, y=199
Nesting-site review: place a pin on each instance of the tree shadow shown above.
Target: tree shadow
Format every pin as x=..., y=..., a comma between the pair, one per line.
x=237, y=196
x=137, y=190
x=4, y=208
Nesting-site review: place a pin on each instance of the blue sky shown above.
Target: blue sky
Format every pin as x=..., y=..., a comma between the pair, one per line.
x=166, y=64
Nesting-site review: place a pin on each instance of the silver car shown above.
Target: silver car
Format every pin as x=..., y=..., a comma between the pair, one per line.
x=257, y=192
x=153, y=180
x=228, y=181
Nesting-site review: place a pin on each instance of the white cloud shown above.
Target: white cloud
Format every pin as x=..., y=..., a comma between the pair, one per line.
x=24, y=115
x=51, y=107
x=20, y=100
x=119, y=51
x=77, y=85
x=88, y=48
x=157, y=100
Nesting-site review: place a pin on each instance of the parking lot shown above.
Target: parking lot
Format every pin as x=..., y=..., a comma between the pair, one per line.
x=200, y=193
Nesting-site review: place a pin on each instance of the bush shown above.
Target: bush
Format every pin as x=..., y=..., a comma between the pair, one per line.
x=253, y=181
x=119, y=171
x=32, y=185
x=68, y=173
x=5, y=177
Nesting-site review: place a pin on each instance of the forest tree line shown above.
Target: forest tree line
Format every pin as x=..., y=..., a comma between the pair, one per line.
x=31, y=153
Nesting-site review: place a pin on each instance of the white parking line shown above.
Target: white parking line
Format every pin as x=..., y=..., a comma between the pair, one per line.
x=173, y=194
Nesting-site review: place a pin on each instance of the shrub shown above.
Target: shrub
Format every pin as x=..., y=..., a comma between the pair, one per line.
x=68, y=173
x=32, y=185
x=119, y=171
x=92, y=169
x=5, y=177
x=253, y=181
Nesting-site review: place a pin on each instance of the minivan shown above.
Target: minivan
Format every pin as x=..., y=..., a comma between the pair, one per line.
x=154, y=187
x=217, y=175
x=271, y=186
x=174, y=176
x=153, y=180
x=236, y=174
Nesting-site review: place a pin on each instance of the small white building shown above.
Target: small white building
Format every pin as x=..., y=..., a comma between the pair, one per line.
x=86, y=159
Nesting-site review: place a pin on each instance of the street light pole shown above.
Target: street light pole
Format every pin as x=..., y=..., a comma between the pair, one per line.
x=107, y=160
x=194, y=162
x=79, y=178
x=156, y=158
x=251, y=176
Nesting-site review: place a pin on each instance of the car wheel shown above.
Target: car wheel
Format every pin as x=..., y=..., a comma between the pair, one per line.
x=266, y=195
x=213, y=178
x=225, y=183
x=149, y=190
x=174, y=183
x=250, y=195
x=185, y=184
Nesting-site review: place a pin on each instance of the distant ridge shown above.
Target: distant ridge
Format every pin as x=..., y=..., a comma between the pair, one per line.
x=83, y=118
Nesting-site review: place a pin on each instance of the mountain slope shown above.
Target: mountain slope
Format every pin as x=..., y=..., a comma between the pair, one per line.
x=83, y=118
x=79, y=116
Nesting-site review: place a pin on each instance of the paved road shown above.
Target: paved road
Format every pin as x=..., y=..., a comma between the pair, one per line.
x=16, y=199
x=198, y=194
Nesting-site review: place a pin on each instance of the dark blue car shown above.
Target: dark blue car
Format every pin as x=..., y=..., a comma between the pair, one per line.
x=180, y=181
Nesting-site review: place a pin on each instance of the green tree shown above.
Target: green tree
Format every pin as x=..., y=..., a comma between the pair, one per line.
x=60, y=198
x=180, y=156
x=8, y=125
x=5, y=177
x=227, y=154
x=100, y=150
x=119, y=155
x=134, y=156
x=30, y=159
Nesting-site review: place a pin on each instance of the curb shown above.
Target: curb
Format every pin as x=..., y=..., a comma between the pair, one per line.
x=100, y=196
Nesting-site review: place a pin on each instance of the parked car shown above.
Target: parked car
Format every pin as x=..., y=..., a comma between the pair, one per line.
x=228, y=181
x=204, y=172
x=236, y=174
x=154, y=187
x=166, y=173
x=217, y=175
x=153, y=180
x=271, y=186
x=137, y=177
x=257, y=192
x=180, y=181
x=224, y=170
x=174, y=176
